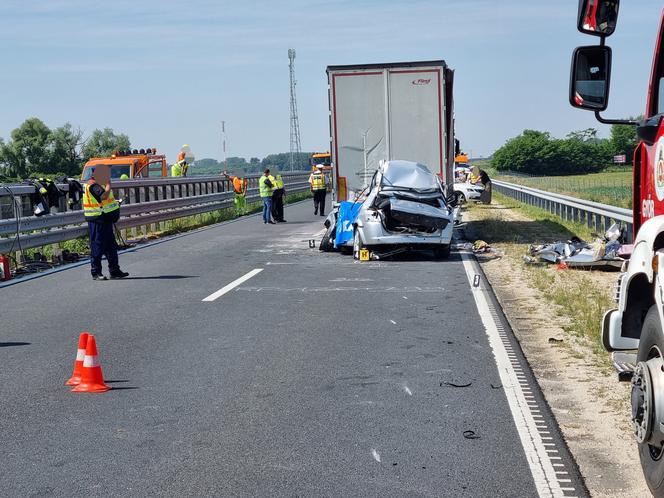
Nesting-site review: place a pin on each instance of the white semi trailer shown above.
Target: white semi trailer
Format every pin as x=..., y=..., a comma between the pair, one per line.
x=393, y=111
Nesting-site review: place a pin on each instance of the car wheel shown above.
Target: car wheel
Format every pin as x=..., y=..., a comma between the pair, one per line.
x=442, y=252
x=651, y=346
x=327, y=242
x=460, y=198
x=357, y=244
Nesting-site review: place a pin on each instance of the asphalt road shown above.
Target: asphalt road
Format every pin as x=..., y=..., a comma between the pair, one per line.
x=318, y=376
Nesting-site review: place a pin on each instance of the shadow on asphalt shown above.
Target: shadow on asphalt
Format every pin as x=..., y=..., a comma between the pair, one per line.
x=122, y=388
x=161, y=277
x=417, y=256
x=10, y=344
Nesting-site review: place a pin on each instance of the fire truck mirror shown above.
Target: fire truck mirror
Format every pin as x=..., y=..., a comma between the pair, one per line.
x=598, y=17
x=591, y=74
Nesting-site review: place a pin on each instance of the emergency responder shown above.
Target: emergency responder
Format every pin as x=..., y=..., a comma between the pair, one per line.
x=278, y=199
x=101, y=211
x=240, y=188
x=176, y=169
x=266, y=185
x=318, y=185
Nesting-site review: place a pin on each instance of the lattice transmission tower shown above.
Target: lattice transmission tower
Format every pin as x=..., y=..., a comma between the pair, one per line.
x=295, y=146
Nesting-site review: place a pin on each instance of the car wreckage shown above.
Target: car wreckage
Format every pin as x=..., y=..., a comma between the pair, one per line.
x=403, y=208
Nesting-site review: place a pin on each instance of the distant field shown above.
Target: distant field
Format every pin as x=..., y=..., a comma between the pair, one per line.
x=614, y=188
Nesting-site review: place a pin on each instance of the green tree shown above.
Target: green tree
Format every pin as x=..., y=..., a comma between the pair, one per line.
x=535, y=152
x=624, y=139
x=103, y=143
x=66, y=144
x=28, y=150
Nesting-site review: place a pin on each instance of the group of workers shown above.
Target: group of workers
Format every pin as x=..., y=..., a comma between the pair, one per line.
x=272, y=194
x=102, y=210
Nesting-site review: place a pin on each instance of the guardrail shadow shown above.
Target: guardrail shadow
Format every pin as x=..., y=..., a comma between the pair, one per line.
x=516, y=232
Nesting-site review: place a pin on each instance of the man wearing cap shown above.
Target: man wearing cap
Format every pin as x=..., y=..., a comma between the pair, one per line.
x=101, y=211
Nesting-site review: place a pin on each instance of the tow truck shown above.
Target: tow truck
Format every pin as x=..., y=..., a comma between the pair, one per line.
x=128, y=164
x=633, y=332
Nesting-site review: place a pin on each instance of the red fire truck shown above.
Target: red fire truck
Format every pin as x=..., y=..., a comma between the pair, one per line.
x=633, y=332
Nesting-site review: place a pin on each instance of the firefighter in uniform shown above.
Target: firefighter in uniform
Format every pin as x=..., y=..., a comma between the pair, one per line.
x=278, y=200
x=265, y=188
x=318, y=184
x=101, y=211
x=240, y=189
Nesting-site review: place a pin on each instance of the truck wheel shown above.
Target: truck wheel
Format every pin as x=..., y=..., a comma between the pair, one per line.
x=442, y=252
x=647, y=402
x=358, y=245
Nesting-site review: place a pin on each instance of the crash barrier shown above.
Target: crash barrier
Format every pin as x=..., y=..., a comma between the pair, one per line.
x=145, y=202
x=595, y=215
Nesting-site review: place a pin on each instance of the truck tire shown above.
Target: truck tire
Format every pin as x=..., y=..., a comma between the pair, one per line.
x=358, y=245
x=442, y=252
x=460, y=198
x=652, y=458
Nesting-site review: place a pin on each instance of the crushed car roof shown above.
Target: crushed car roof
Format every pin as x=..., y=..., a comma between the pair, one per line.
x=409, y=174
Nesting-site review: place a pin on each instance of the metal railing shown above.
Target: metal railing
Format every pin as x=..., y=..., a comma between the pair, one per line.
x=593, y=214
x=145, y=202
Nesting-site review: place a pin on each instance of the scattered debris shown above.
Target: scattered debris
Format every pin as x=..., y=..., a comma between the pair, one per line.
x=454, y=384
x=604, y=254
x=496, y=386
x=555, y=340
x=470, y=435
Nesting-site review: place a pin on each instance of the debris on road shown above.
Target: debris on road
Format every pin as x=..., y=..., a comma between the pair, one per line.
x=470, y=435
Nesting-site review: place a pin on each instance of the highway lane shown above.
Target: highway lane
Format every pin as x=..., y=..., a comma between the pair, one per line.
x=318, y=376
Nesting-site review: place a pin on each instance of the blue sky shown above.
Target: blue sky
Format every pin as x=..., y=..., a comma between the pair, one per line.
x=167, y=72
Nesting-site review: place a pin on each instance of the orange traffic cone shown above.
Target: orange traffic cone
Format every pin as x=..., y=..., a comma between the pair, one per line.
x=92, y=380
x=78, y=363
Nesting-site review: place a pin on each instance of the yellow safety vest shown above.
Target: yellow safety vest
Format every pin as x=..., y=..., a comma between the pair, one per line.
x=176, y=169
x=317, y=181
x=263, y=189
x=93, y=208
x=279, y=182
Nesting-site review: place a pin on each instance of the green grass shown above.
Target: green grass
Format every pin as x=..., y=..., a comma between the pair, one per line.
x=578, y=296
x=612, y=187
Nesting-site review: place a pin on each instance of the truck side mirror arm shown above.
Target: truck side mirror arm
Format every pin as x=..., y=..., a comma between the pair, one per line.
x=599, y=118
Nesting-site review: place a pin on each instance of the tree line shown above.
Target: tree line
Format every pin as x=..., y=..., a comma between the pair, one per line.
x=34, y=149
x=276, y=162
x=537, y=153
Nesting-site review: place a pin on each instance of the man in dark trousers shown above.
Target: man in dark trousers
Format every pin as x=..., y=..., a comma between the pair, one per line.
x=278, y=199
x=101, y=211
x=318, y=185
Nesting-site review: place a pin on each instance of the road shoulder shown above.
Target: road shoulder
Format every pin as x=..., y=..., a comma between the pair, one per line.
x=590, y=405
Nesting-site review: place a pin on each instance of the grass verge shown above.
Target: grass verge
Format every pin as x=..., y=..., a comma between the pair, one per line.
x=578, y=297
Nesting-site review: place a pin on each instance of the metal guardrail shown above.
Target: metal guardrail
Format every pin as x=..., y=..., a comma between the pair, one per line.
x=146, y=202
x=593, y=214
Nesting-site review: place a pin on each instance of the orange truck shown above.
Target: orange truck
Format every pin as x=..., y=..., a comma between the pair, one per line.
x=128, y=164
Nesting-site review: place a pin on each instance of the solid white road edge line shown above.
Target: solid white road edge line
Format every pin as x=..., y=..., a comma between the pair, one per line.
x=232, y=285
x=539, y=462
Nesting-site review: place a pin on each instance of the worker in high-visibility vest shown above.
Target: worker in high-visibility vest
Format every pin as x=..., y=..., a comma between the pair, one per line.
x=240, y=186
x=266, y=185
x=101, y=211
x=176, y=169
x=318, y=185
x=278, y=199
